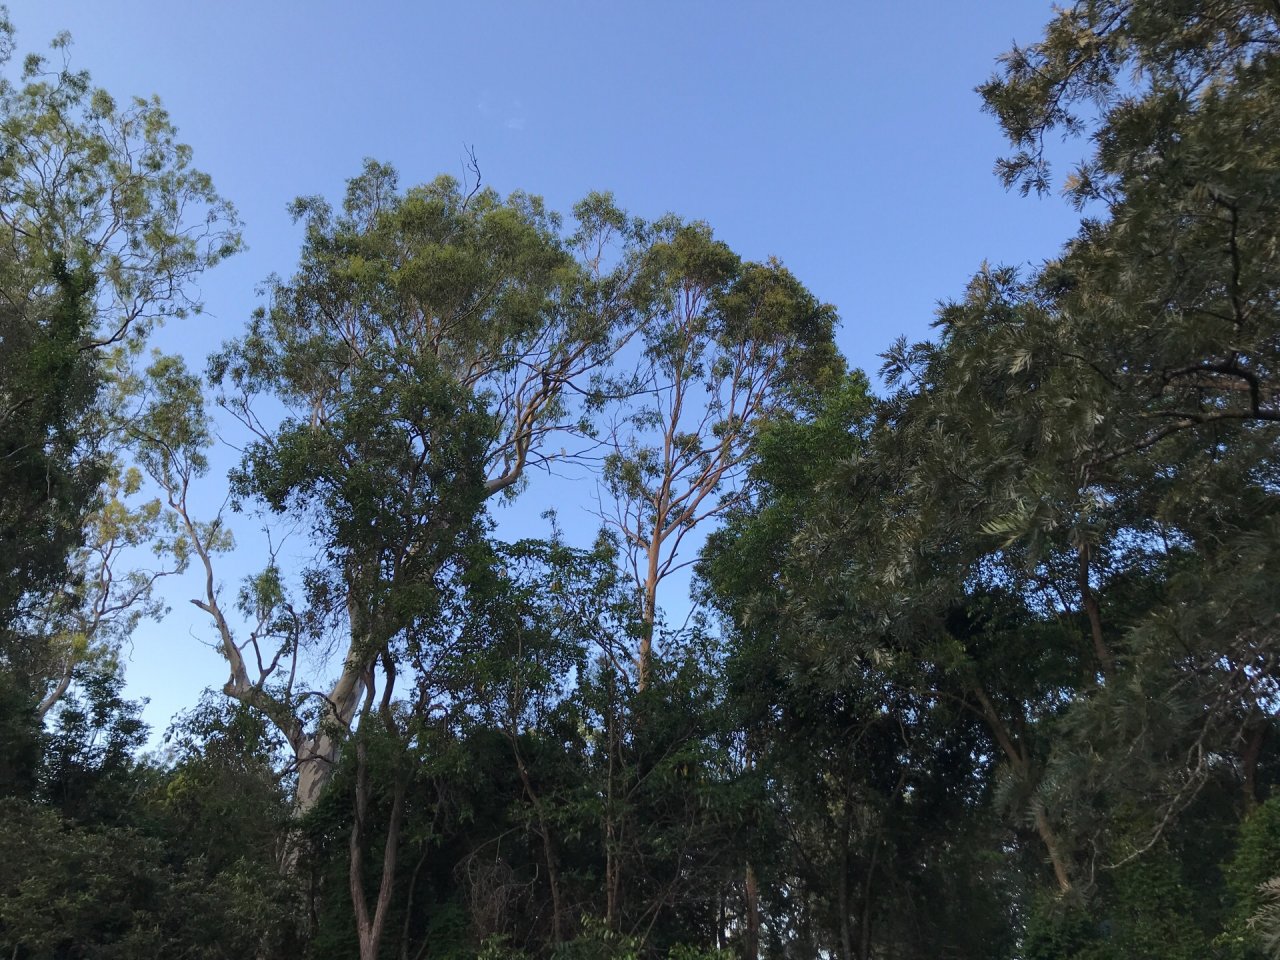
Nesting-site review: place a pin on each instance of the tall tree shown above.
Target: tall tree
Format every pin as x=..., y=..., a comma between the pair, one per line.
x=728, y=345
x=103, y=226
x=428, y=345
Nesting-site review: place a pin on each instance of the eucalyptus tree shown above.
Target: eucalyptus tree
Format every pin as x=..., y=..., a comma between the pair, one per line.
x=429, y=345
x=104, y=224
x=727, y=346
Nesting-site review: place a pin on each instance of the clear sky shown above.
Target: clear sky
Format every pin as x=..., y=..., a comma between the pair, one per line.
x=843, y=137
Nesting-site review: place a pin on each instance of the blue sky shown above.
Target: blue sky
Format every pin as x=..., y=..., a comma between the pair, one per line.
x=844, y=138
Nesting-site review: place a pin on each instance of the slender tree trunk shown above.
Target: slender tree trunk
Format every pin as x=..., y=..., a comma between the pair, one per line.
x=1249, y=758
x=842, y=905
x=864, y=924
x=751, y=935
x=408, y=914
x=842, y=884
x=648, y=612
x=720, y=921
x=612, y=832
x=371, y=927
x=1106, y=662
x=612, y=882
x=548, y=847
x=1017, y=756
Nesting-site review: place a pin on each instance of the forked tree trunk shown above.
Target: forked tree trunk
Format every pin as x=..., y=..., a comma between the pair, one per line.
x=1018, y=757
x=316, y=756
x=370, y=926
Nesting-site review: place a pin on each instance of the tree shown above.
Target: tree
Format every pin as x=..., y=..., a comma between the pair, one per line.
x=428, y=345
x=83, y=621
x=873, y=807
x=103, y=226
x=728, y=346
x=49, y=481
x=113, y=854
x=1163, y=325
x=1073, y=483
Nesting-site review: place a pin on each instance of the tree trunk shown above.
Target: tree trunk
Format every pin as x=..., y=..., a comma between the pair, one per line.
x=1249, y=758
x=318, y=754
x=612, y=830
x=371, y=927
x=864, y=921
x=316, y=761
x=1017, y=755
x=1106, y=662
x=842, y=885
x=721, y=939
x=1050, y=840
x=56, y=694
x=648, y=613
x=751, y=935
x=548, y=847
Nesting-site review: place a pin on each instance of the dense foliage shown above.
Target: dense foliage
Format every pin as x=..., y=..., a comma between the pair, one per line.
x=985, y=666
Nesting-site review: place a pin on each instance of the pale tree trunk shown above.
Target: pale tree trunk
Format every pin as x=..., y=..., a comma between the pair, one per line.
x=317, y=754
x=648, y=612
x=1050, y=840
x=56, y=694
x=1021, y=761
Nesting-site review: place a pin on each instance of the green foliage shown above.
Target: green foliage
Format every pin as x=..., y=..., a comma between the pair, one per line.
x=1052, y=540
x=598, y=942
x=114, y=857
x=1145, y=911
x=22, y=742
x=984, y=667
x=105, y=226
x=1250, y=930
x=48, y=482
